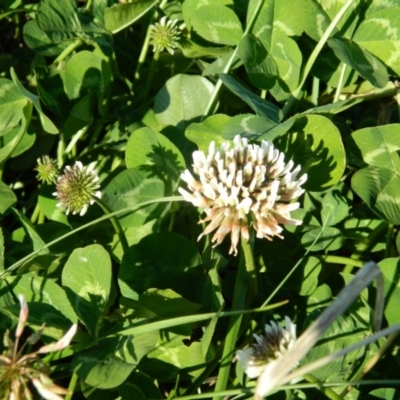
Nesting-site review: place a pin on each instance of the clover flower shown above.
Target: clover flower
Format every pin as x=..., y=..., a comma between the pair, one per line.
x=164, y=35
x=18, y=370
x=47, y=170
x=77, y=188
x=268, y=348
x=241, y=186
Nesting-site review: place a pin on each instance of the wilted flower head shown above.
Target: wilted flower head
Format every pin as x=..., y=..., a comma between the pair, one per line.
x=17, y=369
x=268, y=348
x=241, y=186
x=77, y=188
x=47, y=170
x=164, y=35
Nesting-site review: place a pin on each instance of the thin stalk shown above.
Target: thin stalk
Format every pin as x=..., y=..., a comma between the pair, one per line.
x=149, y=80
x=66, y=52
x=228, y=65
x=117, y=226
x=315, y=91
x=342, y=260
x=239, y=299
x=340, y=83
x=60, y=150
x=328, y=392
x=35, y=214
x=143, y=54
x=71, y=387
x=389, y=238
x=310, y=62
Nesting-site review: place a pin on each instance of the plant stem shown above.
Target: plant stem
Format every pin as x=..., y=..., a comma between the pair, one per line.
x=68, y=51
x=71, y=387
x=35, y=214
x=328, y=392
x=228, y=65
x=340, y=83
x=342, y=260
x=151, y=74
x=389, y=238
x=117, y=226
x=239, y=299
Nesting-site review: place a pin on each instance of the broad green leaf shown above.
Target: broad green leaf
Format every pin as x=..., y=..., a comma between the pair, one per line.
x=120, y=16
x=133, y=349
x=315, y=17
x=390, y=268
x=329, y=69
x=81, y=115
x=153, y=152
x=378, y=34
x=38, y=41
x=343, y=332
x=40, y=312
x=334, y=208
x=367, y=65
x=379, y=146
x=18, y=132
x=146, y=385
x=209, y=130
x=85, y=73
x=189, y=7
x=277, y=130
x=275, y=17
x=288, y=59
x=12, y=103
x=30, y=230
x=100, y=367
x=164, y=261
x=383, y=394
x=316, y=145
x=182, y=99
x=38, y=289
x=86, y=278
x=262, y=107
x=322, y=296
x=219, y=65
x=167, y=303
x=246, y=125
x=379, y=188
x=7, y=198
x=131, y=187
x=260, y=66
x=323, y=239
x=217, y=24
x=177, y=357
x=61, y=21
x=312, y=268
x=1, y=245
x=48, y=126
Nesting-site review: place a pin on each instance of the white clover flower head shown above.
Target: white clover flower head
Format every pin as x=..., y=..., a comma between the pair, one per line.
x=18, y=370
x=77, y=188
x=164, y=35
x=247, y=185
x=47, y=170
x=269, y=347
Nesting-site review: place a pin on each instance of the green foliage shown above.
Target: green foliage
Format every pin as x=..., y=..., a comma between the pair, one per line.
x=80, y=82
